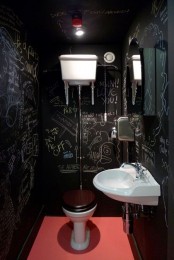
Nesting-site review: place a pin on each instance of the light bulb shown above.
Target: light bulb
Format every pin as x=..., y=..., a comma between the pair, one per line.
x=79, y=32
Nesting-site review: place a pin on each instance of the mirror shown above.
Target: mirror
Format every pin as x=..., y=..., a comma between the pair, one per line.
x=134, y=79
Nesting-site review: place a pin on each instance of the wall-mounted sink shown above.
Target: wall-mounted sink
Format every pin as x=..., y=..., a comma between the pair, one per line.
x=122, y=184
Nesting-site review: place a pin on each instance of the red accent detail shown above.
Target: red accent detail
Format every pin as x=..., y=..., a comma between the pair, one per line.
x=76, y=22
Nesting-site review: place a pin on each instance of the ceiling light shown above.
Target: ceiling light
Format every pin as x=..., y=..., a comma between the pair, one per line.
x=77, y=24
x=79, y=32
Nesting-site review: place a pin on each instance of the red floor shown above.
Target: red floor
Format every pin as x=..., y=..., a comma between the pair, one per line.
x=108, y=241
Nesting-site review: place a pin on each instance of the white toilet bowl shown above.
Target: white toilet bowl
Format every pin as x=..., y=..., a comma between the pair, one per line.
x=79, y=206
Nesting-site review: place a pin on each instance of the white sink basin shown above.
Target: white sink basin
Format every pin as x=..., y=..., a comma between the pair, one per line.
x=121, y=184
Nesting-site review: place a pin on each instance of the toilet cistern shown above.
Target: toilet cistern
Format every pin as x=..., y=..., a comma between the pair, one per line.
x=78, y=70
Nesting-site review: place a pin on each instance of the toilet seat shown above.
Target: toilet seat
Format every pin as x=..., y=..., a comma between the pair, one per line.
x=79, y=200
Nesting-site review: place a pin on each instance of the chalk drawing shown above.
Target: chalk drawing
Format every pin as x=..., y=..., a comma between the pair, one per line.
x=19, y=99
x=164, y=145
x=148, y=155
x=156, y=7
x=165, y=198
x=161, y=79
x=65, y=123
x=164, y=15
x=68, y=168
x=96, y=12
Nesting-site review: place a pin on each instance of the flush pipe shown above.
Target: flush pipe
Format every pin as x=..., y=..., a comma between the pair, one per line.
x=127, y=219
x=92, y=93
x=80, y=135
x=80, y=122
x=105, y=114
x=134, y=211
x=66, y=87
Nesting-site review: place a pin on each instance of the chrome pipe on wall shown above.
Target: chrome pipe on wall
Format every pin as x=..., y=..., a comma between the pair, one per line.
x=80, y=137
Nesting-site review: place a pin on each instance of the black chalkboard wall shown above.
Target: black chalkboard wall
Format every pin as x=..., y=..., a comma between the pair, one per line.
x=19, y=99
x=150, y=28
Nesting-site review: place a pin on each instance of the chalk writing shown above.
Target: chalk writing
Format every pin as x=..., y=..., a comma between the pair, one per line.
x=148, y=155
x=92, y=169
x=92, y=12
x=57, y=102
x=70, y=110
x=94, y=156
x=134, y=35
x=65, y=123
x=165, y=165
x=156, y=6
x=164, y=15
x=7, y=216
x=161, y=78
x=164, y=187
x=9, y=19
x=164, y=143
x=53, y=131
x=124, y=90
x=23, y=47
x=108, y=95
x=19, y=101
x=69, y=168
x=149, y=85
x=54, y=149
x=57, y=147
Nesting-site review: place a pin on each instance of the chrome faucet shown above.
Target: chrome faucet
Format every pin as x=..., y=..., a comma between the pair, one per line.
x=138, y=168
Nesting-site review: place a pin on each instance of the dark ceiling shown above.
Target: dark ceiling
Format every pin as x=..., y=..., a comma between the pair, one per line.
x=49, y=22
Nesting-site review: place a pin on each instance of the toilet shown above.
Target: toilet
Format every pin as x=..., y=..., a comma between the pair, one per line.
x=79, y=206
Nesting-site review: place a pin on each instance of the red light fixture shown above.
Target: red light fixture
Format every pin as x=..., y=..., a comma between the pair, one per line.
x=77, y=24
x=77, y=20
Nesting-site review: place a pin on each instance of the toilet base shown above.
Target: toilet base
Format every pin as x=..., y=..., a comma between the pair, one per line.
x=83, y=245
